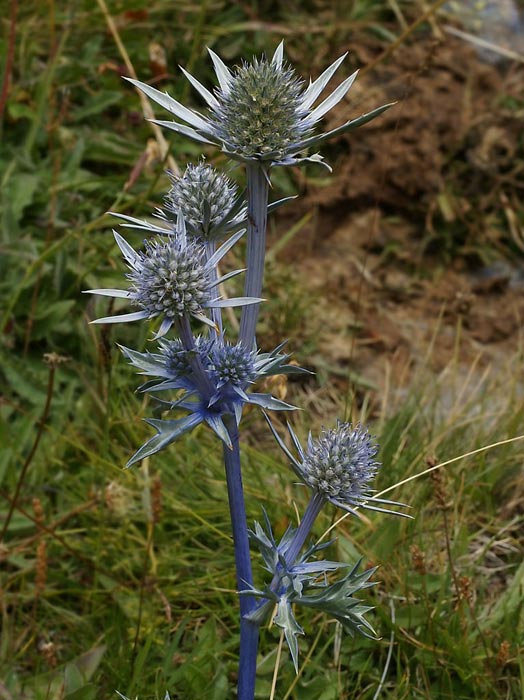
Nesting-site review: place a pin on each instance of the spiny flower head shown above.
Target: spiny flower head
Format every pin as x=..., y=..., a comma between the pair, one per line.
x=177, y=360
x=170, y=279
x=261, y=111
x=340, y=463
x=208, y=200
x=232, y=364
x=173, y=277
x=339, y=466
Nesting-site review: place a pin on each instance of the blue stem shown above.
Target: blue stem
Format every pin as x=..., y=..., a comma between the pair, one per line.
x=216, y=313
x=202, y=378
x=257, y=197
x=312, y=510
x=248, y=630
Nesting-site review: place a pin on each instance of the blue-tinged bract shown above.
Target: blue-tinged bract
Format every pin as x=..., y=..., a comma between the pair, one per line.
x=305, y=582
x=231, y=370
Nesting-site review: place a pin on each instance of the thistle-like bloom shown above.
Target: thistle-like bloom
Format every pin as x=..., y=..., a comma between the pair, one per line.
x=261, y=111
x=209, y=201
x=231, y=364
x=231, y=370
x=338, y=466
x=172, y=278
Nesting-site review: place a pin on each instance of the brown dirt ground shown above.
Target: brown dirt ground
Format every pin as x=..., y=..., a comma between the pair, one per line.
x=419, y=231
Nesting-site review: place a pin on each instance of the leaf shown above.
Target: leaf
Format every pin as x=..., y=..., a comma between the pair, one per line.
x=17, y=194
x=87, y=692
x=97, y=104
x=27, y=381
x=286, y=621
x=54, y=311
x=168, y=432
x=79, y=672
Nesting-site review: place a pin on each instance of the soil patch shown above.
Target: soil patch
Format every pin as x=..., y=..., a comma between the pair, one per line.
x=418, y=235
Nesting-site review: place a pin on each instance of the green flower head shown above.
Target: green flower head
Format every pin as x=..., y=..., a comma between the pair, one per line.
x=260, y=111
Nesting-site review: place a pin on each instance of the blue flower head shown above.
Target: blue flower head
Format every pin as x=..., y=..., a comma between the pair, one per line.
x=173, y=277
x=338, y=466
x=232, y=364
x=176, y=360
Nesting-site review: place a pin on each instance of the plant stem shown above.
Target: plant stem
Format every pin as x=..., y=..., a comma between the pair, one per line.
x=216, y=314
x=248, y=630
x=263, y=607
x=40, y=431
x=312, y=510
x=205, y=385
x=257, y=198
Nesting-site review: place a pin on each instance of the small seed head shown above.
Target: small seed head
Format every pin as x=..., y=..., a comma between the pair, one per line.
x=170, y=278
x=340, y=463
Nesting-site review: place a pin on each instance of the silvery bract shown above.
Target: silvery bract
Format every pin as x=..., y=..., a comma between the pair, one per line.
x=260, y=111
x=304, y=581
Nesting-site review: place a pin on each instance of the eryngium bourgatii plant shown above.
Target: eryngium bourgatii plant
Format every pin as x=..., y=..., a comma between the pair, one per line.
x=262, y=115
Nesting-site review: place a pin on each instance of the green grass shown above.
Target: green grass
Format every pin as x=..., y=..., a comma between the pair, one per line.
x=114, y=579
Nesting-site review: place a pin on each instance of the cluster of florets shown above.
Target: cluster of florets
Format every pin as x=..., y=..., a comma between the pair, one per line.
x=204, y=197
x=260, y=112
x=232, y=364
x=177, y=360
x=169, y=277
x=225, y=363
x=340, y=463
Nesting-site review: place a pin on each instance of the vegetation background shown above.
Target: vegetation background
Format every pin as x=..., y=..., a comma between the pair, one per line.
x=398, y=279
